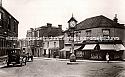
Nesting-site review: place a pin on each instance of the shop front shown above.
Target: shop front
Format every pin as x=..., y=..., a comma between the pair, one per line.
x=99, y=51
x=66, y=51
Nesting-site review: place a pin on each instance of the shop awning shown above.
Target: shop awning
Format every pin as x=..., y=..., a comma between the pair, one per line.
x=76, y=47
x=107, y=46
x=68, y=48
x=89, y=47
x=119, y=47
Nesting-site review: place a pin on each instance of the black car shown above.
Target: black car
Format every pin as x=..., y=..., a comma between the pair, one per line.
x=15, y=56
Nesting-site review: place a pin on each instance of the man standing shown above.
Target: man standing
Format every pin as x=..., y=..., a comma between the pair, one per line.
x=107, y=58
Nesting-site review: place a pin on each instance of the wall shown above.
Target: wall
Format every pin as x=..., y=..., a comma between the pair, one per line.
x=96, y=32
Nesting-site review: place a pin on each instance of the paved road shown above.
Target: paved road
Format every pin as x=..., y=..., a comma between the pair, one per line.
x=55, y=68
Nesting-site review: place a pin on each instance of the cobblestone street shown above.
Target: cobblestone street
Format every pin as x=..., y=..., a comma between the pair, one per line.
x=42, y=67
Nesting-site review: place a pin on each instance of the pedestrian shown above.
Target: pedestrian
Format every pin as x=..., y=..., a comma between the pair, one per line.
x=107, y=58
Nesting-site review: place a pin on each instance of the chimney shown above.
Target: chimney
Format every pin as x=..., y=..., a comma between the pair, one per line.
x=115, y=18
x=0, y=2
x=49, y=25
x=60, y=26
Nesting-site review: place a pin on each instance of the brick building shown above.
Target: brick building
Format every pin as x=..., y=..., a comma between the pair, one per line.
x=52, y=45
x=8, y=30
x=38, y=34
x=94, y=39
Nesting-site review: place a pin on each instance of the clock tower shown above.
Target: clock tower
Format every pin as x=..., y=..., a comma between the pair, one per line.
x=72, y=22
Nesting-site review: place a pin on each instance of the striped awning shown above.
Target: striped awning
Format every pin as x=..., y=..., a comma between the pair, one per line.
x=116, y=47
x=119, y=47
x=107, y=46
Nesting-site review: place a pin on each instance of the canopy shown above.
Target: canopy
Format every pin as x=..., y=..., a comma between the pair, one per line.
x=119, y=47
x=89, y=47
x=68, y=48
x=107, y=46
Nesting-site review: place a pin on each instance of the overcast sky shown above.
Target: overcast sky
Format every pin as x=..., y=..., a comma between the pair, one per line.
x=36, y=13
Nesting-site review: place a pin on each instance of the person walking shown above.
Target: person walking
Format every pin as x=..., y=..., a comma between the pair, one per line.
x=107, y=58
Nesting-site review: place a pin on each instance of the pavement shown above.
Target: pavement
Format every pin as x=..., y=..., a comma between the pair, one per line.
x=78, y=61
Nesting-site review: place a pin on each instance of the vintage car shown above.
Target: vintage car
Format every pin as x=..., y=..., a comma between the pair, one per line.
x=15, y=56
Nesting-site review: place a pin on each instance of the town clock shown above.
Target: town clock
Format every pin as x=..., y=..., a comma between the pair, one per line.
x=72, y=22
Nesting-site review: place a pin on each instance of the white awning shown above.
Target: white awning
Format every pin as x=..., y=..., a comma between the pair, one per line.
x=76, y=47
x=89, y=47
x=68, y=48
x=119, y=47
x=107, y=46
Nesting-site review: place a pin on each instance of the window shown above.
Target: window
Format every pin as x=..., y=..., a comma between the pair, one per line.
x=1, y=19
x=14, y=25
x=106, y=32
x=54, y=44
x=48, y=44
x=0, y=15
x=38, y=33
x=78, y=35
x=9, y=22
x=43, y=44
x=88, y=33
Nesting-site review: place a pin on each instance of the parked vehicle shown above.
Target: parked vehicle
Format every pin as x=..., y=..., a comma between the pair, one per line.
x=15, y=56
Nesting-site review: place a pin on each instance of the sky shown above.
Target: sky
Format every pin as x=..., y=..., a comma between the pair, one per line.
x=36, y=13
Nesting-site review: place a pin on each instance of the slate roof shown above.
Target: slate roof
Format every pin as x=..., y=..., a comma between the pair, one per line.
x=72, y=18
x=98, y=21
x=52, y=31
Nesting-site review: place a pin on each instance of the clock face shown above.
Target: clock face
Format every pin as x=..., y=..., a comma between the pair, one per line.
x=72, y=24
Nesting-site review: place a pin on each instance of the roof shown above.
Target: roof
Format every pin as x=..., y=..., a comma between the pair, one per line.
x=98, y=21
x=8, y=13
x=50, y=31
x=72, y=18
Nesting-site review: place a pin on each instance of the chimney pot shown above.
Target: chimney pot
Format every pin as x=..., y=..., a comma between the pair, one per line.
x=49, y=25
x=60, y=26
